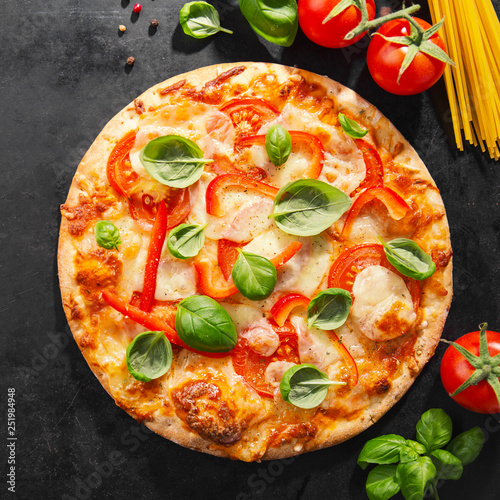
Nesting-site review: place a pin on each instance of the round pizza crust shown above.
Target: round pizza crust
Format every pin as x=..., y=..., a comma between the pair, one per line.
x=386, y=135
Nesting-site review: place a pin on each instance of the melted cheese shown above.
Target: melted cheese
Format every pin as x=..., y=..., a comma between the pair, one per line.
x=382, y=307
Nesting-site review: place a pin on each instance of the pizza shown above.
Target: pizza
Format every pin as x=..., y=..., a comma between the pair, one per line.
x=253, y=261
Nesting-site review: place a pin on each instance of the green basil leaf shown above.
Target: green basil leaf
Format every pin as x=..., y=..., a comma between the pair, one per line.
x=173, y=160
x=203, y=324
x=186, y=240
x=381, y=483
x=278, y=144
x=307, y=207
x=408, y=258
x=200, y=19
x=329, y=309
x=275, y=20
x=351, y=128
x=149, y=356
x=448, y=466
x=468, y=445
x=381, y=450
x=408, y=454
x=416, y=446
x=254, y=276
x=107, y=235
x=413, y=477
x=434, y=429
x=305, y=386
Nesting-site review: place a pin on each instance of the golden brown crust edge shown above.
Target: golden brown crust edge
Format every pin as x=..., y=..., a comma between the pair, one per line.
x=170, y=427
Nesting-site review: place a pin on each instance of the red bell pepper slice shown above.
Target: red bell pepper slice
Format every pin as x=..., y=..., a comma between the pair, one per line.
x=233, y=180
x=205, y=273
x=118, y=169
x=374, y=166
x=298, y=139
x=152, y=322
x=153, y=259
x=284, y=306
x=346, y=356
x=396, y=206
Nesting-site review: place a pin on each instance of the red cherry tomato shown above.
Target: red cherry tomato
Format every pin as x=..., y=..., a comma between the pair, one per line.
x=385, y=59
x=455, y=370
x=332, y=33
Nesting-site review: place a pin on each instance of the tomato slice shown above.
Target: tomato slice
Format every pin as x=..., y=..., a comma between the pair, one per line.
x=353, y=260
x=374, y=166
x=227, y=253
x=299, y=139
x=248, y=114
x=143, y=206
x=286, y=304
x=252, y=366
x=152, y=322
x=396, y=206
x=119, y=170
x=217, y=186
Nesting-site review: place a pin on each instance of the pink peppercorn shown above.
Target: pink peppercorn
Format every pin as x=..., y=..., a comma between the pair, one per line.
x=137, y=8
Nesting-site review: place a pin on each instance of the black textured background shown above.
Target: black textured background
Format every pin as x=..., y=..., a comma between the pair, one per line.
x=62, y=77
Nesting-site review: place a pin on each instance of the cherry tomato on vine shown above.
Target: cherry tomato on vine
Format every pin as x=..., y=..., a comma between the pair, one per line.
x=483, y=392
x=385, y=59
x=332, y=33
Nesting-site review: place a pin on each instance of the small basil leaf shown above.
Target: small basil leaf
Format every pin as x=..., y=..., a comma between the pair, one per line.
x=329, y=309
x=408, y=258
x=275, y=20
x=448, y=466
x=381, y=450
x=305, y=386
x=173, y=160
x=203, y=324
x=434, y=429
x=408, y=454
x=413, y=477
x=351, y=128
x=307, y=207
x=381, y=483
x=149, y=356
x=107, y=235
x=468, y=445
x=416, y=446
x=254, y=276
x=186, y=240
x=278, y=144
x=200, y=19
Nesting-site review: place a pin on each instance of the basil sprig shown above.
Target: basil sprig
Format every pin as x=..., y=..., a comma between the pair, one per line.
x=416, y=467
x=107, y=235
x=173, y=160
x=254, y=276
x=275, y=20
x=305, y=386
x=200, y=19
x=329, y=309
x=203, y=324
x=307, y=207
x=351, y=128
x=278, y=144
x=149, y=356
x=186, y=240
x=408, y=258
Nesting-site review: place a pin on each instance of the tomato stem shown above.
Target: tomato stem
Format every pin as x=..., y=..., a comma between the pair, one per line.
x=366, y=25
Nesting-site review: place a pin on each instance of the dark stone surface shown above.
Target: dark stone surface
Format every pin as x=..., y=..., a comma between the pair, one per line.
x=63, y=76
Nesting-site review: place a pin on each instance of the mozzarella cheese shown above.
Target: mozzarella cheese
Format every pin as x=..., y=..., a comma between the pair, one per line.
x=382, y=307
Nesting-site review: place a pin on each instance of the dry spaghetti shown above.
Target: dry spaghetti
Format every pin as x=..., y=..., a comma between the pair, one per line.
x=472, y=36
